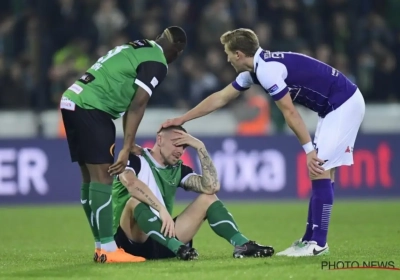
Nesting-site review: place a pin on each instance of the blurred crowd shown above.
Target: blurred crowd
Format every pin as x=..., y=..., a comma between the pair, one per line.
x=46, y=44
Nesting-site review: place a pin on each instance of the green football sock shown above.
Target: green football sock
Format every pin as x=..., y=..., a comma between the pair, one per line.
x=100, y=202
x=223, y=224
x=89, y=213
x=151, y=225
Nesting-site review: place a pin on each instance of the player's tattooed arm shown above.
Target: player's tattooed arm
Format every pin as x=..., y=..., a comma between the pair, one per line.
x=139, y=190
x=208, y=182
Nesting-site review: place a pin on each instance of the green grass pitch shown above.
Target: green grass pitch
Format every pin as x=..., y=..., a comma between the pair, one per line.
x=52, y=242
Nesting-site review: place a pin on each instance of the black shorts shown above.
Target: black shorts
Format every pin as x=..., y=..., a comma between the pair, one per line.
x=90, y=135
x=150, y=250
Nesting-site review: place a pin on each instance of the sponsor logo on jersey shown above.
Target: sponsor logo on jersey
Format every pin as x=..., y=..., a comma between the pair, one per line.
x=76, y=88
x=67, y=104
x=154, y=82
x=273, y=88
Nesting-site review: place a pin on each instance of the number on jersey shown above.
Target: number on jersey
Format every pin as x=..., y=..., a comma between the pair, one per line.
x=277, y=55
x=110, y=54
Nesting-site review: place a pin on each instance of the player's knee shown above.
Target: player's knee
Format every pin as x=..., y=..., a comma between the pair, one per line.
x=325, y=175
x=85, y=173
x=132, y=203
x=99, y=173
x=206, y=200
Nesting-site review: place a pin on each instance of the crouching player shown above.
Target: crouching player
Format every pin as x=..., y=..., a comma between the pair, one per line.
x=143, y=199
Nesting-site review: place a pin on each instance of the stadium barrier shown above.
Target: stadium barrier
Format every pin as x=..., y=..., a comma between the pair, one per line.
x=256, y=168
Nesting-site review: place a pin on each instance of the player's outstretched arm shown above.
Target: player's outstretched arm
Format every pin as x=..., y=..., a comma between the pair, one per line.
x=207, y=106
x=139, y=190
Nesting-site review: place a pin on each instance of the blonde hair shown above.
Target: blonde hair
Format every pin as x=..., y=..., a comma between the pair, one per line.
x=242, y=39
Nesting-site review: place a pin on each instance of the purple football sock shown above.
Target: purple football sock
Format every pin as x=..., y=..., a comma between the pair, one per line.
x=308, y=234
x=321, y=209
x=333, y=186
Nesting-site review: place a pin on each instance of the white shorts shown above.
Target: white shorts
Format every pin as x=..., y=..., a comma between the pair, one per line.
x=337, y=132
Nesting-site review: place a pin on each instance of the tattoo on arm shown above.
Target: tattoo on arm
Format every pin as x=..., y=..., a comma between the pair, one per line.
x=149, y=200
x=208, y=182
x=139, y=190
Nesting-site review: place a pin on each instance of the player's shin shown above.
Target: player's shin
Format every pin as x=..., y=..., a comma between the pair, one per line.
x=150, y=224
x=100, y=203
x=309, y=231
x=321, y=209
x=89, y=214
x=223, y=224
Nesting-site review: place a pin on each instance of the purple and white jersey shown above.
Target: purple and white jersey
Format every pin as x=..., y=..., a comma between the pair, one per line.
x=311, y=83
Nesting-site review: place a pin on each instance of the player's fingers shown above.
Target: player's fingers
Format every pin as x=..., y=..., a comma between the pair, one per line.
x=312, y=172
x=179, y=131
x=320, y=161
x=316, y=170
x=118, y=169
x=163, y=228
x=319, y=166
x=179, y=142
x=178, y=137
x=169, y=230
x=114, y=167
x=172, y=230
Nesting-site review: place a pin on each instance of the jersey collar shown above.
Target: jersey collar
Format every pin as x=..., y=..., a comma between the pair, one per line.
x=257, y=58
x=147, y=151
x=159, y=46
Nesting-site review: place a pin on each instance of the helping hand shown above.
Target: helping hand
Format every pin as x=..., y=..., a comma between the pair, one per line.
x=172, y=122
x=137, y=150
x=119, y=166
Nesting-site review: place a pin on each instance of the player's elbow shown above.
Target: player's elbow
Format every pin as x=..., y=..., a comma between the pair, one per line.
x=291, y=116
x=212, y=188
x=128, y=181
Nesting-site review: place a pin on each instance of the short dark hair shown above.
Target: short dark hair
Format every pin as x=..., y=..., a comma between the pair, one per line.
x=177, y=36
x=177, y=127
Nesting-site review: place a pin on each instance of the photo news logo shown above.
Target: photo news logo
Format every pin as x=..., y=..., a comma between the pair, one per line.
x=342, y=265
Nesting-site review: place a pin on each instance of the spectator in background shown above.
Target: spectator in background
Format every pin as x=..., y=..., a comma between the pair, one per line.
x=252, y=113
x=46, y=44
x=216, y=19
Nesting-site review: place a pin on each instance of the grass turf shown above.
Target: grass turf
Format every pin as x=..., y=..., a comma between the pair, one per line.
x=50, y=242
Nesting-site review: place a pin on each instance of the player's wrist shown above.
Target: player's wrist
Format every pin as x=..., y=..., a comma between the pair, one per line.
x=199, y=146
x=308, y=147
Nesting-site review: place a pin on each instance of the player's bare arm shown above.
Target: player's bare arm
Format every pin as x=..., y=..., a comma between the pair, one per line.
x=293, y=119
x=139, y=190
x=206, y=183
x=297, y=125
x=213, y=102
x=134, y=117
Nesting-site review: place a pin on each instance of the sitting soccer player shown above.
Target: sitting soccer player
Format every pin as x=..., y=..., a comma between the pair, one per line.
x=143, y=199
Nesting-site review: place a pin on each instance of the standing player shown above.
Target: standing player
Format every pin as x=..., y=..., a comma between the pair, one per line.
x=144, y=195
x=292, y=77
x=118, y=84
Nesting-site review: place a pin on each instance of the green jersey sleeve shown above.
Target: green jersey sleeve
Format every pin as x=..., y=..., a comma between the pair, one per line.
x=150, y=74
